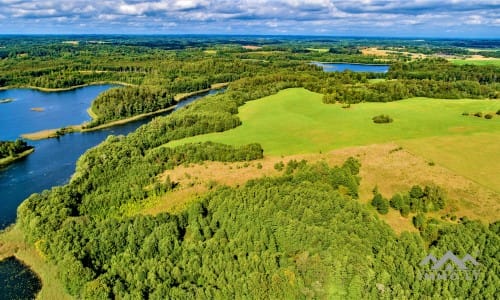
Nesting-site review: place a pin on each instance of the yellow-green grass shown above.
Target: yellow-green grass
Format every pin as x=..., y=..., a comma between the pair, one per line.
x=296, y=121
x=474, y=156
x=12, y=244
x=477, y=62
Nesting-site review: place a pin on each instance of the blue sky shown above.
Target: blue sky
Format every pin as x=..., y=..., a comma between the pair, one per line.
x=397, y=18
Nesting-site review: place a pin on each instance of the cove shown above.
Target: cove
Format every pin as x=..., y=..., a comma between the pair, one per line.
x=340, y=67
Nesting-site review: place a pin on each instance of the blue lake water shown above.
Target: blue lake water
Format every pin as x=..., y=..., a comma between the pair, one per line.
x=52, y=163
x=59, y=109
x=340, y=67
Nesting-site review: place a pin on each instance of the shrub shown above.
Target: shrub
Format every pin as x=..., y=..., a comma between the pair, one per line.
x=498, y=112
x=478, y=114
x=380, y=119
x=380, y=203
x=465, y=114
x=259, y=166
x=488, y=116
x=279, y=166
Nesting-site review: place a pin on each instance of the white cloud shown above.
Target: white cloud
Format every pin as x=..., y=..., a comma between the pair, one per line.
x=257, y=16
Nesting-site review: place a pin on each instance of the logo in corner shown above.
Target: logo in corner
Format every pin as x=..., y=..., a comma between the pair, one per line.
x=450, y=267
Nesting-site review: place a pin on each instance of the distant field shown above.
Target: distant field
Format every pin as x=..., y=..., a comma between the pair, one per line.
x=478, y=62
x=297, y=121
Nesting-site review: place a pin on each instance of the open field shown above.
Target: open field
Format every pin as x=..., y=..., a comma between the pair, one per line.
x=297, y=121
x=12, y=244
x=439, y=146
x=484, y=61
x=475, y=156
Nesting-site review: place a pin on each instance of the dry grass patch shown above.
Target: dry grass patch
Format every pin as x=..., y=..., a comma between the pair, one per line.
x=387, y=166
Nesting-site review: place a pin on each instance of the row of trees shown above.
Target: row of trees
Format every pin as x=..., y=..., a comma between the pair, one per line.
x=394, y=90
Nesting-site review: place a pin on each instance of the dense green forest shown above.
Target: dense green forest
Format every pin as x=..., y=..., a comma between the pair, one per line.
x=302, y=234
x=13, y=148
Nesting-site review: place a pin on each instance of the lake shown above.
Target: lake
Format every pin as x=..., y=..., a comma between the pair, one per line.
x=340, y=67
x=52, y=109
x=53, y=161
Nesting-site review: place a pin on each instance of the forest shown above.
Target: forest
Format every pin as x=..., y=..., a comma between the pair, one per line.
x=301, y=235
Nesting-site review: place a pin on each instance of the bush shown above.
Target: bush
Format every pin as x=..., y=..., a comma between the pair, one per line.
x=279, y=166
x=380, y=119
x=498, y=112
x=380, y=203
x=478, y=114
x=465, y=114
x=488, y=116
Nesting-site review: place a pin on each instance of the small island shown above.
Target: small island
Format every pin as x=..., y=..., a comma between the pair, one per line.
x=10, y=151
x=6, y=100
x=37, y=109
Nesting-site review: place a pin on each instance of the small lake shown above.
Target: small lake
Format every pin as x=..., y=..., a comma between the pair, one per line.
x=340, y=67
x=52, y=163
x=17, y=281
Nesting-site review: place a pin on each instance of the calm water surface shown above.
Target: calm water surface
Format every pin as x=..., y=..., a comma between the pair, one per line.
x=339, y=67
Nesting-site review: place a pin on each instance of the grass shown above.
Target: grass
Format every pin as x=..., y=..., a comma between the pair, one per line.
x=297, y=121
x=474, y=156
x=12, y=244
x=477, y=62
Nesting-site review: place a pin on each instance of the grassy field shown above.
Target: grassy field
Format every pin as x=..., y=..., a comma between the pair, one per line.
x=478, y=62
x=439, y=145
x=297, y=121
x=474, y=156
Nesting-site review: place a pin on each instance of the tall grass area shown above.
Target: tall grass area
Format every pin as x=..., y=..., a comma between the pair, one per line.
x=297, y=121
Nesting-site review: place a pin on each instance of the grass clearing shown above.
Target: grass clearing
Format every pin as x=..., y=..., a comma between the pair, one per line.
x=296, y=121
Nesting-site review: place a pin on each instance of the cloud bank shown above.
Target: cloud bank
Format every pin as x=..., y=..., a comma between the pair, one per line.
x=469, y=18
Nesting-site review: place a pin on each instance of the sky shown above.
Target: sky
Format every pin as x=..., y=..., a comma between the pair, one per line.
x=390, y=18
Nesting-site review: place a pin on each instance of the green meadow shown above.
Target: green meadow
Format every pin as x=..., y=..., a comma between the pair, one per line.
x=477, y=62
x=296, y=121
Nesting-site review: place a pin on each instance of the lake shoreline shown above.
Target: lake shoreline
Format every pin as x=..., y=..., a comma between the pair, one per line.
x=57, y=132
x=49, y=90
x=10, y=159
